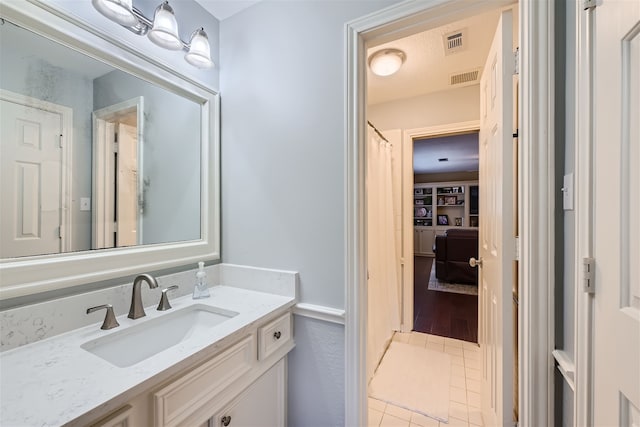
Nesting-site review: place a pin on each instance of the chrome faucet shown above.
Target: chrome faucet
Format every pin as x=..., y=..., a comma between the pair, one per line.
x=136, y=309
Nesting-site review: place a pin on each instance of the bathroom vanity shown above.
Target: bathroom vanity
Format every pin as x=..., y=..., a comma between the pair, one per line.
x=224, y=374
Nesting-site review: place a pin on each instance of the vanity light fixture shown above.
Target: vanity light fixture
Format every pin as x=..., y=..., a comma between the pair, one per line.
x=163, y=30
x=386, y=62
x=199, y=50
x=120, y=11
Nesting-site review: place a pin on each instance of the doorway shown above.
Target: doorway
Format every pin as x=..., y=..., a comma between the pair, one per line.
x=445, y=223
x=441, y=207
x=404, y=19
x=117, y=171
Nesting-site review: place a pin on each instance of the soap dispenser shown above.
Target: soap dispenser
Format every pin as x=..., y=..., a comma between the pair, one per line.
x=201, y=290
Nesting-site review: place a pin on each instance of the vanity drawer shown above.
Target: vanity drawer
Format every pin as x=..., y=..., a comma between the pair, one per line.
x=178, y=400
x=274, y=335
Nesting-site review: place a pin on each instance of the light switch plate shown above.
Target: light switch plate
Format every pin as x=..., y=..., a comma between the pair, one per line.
x=85, y=203
x=567, y=192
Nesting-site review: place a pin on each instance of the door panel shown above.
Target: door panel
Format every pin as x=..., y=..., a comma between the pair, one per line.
x=616, y=121
x=496, y=232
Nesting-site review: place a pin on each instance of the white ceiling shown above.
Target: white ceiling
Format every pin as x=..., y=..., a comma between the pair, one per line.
x=427, y=68
x=460, y=150
x=223, y=9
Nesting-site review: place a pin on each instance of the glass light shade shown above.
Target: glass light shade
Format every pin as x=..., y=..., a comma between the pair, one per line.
x=386, y=62
x=165, y=28
x=199, y=54
x=120, y=11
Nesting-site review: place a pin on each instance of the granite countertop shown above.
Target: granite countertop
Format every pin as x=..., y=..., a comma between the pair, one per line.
x=55, y=381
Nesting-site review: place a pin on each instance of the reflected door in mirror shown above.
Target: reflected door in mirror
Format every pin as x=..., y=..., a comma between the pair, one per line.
x=31, y=190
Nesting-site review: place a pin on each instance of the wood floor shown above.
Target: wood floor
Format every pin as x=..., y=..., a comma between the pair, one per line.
x=442, y=313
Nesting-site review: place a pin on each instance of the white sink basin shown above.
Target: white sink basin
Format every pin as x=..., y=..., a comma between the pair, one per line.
x=139, y=342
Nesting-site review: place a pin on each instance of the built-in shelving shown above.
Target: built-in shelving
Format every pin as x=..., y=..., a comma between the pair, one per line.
x=440, y=206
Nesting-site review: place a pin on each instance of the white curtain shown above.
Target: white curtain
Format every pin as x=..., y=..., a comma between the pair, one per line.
x=383, y=286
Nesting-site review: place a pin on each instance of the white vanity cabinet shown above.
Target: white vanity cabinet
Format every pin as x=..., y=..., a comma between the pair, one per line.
x=244, y=384
x=261, y=404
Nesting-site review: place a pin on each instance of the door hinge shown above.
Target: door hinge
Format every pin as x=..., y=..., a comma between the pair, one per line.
x=115, y=227
x=60, y=232
x=589, y=275
x=516, y=62
x=60, y=140
x=591, y=4
x=115, y=147
x=517, y=248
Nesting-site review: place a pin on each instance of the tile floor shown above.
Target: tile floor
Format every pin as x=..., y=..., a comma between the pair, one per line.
x=464, y=389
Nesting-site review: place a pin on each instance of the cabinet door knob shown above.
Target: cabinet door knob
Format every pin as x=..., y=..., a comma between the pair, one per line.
x=226, y=420
x=277, y=335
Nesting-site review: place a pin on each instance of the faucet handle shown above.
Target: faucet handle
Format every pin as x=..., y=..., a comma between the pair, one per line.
x=164, y=300
x=110, y=321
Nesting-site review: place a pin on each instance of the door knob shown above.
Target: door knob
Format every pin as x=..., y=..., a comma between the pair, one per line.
x=475, y=262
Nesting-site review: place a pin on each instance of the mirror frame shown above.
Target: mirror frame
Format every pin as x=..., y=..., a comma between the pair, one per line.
x=36, y=274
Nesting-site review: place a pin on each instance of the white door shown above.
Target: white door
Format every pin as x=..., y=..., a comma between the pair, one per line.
x=31, y=180
x=127, y=186
x=616, y=227
x=496, y=236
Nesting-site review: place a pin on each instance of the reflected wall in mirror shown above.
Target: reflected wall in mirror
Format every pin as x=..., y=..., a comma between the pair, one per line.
x=92, y=157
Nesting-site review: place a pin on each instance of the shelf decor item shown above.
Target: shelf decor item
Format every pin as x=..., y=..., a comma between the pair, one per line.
x=440, y=201
x=458, y=221
x=450, y=200
x=420, y=212
x=443, y=219
x=418, y=191
x=419, y=201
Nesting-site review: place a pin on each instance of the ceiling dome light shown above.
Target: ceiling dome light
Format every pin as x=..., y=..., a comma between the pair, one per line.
x=386, y=62
x=165, y=28
x=199, y=54
x=120, y=11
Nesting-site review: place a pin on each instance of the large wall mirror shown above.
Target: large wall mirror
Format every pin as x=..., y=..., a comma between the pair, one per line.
x=108, y=166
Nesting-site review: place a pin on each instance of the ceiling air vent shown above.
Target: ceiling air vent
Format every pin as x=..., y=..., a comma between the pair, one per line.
x=455, y=41
x=464, y=78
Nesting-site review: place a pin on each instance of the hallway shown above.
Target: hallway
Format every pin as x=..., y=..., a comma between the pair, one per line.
x=464, y=387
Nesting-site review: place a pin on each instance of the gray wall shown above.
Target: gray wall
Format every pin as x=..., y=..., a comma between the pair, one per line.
x=171, y=156
x=37, y=78
x=283, y=159
x=438, y=108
